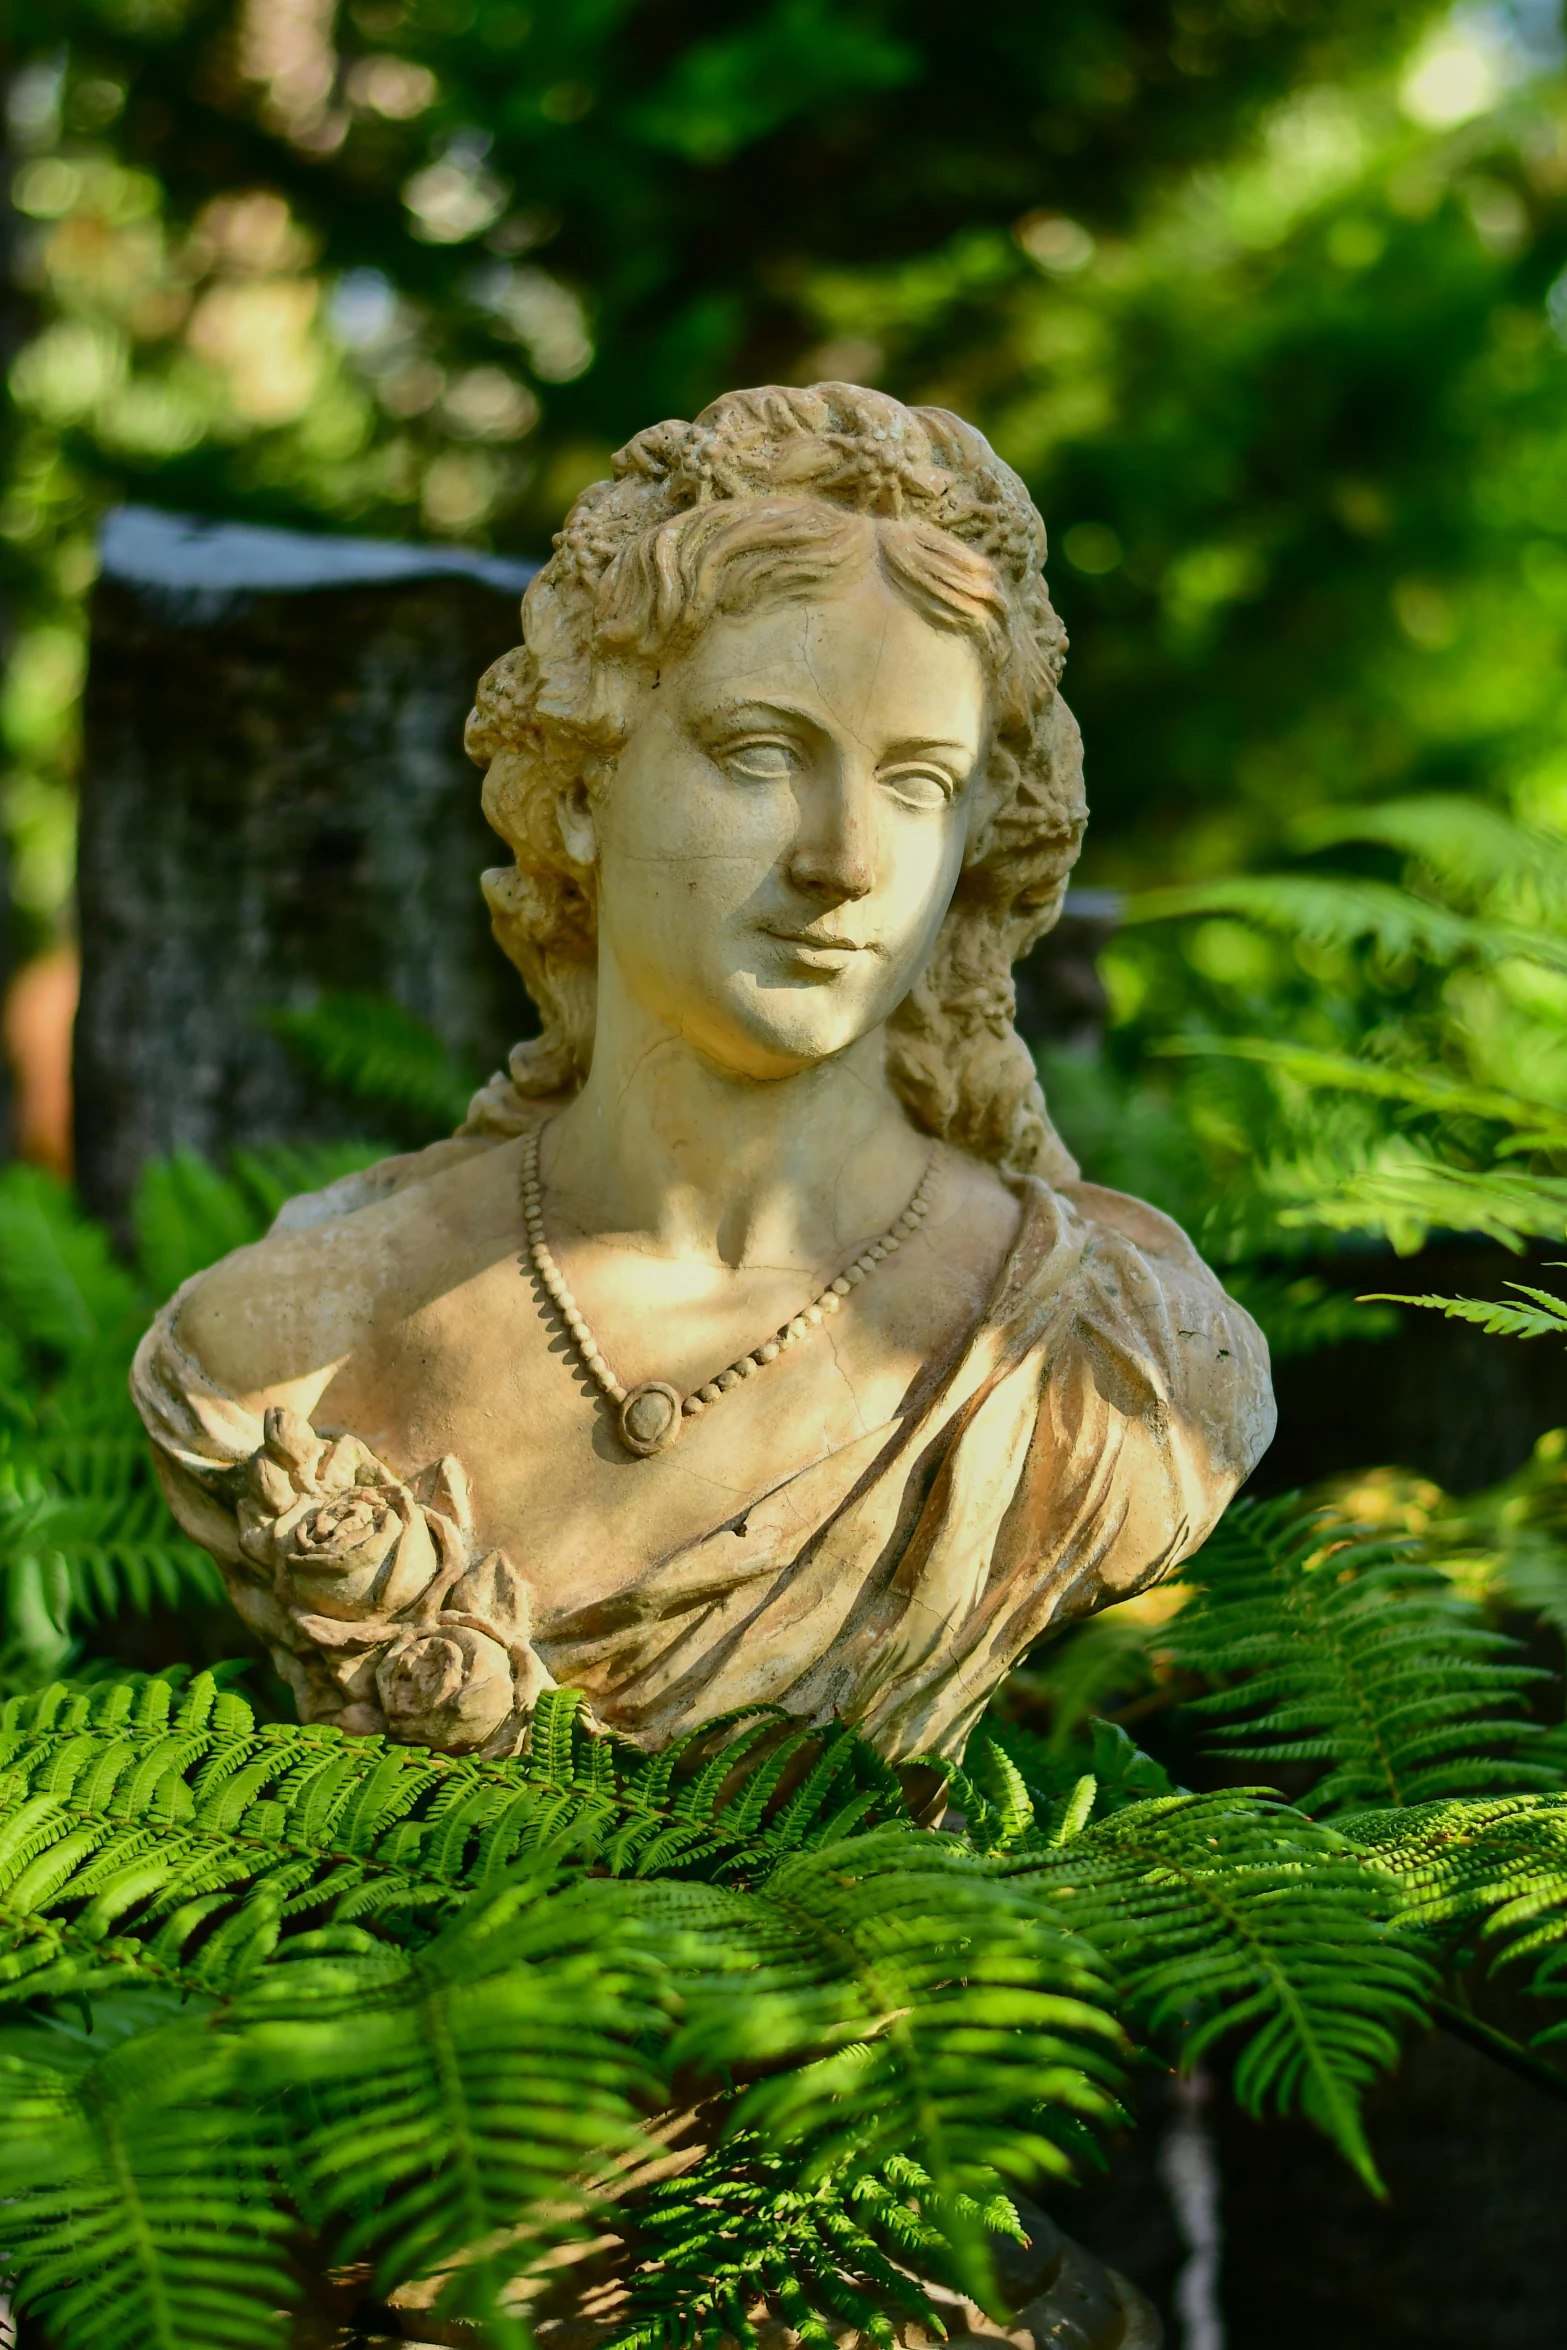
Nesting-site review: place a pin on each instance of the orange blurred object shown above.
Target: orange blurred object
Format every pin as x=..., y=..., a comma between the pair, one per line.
x=40, y=1006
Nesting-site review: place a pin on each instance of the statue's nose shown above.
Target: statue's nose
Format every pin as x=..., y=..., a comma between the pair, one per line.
x=835, y=854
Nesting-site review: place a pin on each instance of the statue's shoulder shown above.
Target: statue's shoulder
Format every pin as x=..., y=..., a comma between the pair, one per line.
x=367, y=1187
x=1147, y=1300
x=273, y=1320
x=1117, y=1217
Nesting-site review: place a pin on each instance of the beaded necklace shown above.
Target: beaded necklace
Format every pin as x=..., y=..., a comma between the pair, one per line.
x=651, y=1415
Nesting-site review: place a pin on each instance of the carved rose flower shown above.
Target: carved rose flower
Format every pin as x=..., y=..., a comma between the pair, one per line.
x=368, y=1546
x=343, y=1536
x=445, y=1685
x=379, y=1609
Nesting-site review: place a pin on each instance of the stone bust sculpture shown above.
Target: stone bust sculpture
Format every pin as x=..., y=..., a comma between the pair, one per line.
x=755, y=1339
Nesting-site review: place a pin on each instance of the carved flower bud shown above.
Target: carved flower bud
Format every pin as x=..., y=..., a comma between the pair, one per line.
x=271, y=1488
x=292, y=1440
x=446, y=1686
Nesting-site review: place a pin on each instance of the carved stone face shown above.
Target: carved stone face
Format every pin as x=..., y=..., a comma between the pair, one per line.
x=786, y=825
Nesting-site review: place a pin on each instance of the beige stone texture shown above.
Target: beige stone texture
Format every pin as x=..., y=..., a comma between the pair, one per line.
x=788, y=783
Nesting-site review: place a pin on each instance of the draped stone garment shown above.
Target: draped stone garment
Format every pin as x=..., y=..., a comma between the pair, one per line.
x=1075, y=1448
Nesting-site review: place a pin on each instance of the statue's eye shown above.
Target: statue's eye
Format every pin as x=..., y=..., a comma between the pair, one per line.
x=920, y=787
x=762, y=762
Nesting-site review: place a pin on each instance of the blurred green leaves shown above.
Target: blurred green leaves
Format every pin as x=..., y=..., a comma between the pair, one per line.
x=1255, y=296
x=726, y=92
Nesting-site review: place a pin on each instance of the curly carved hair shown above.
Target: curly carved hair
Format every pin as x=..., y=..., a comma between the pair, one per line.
x=779, y=492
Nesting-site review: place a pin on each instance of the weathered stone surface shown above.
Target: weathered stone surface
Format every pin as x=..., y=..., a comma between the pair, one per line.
x=275, y=803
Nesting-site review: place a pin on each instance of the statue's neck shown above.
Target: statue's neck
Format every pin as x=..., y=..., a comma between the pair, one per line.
x=689, y=1160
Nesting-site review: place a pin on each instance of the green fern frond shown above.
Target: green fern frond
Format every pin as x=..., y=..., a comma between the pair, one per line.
x=376, y=1053
x=186, y=1214
x=739, y=2228
x=1355, y=1658
x=1017, y=1792
x=1546, y=1317
x=1328, y=910
x=84, y=1537
x=107, y=1551
x=1427, y=1089
x=1490, y=1872
x=60, y=1287
x=1001, y=1803
x=1230, y=1913
x=521, y=2034
x=1052, y=1770
x=137, y=2210
x=1410, y=1200
x=1314, y=1137
x=1466, y=842
x=1484, y=1879
x=1324, y=1174
x=939, y=2006
x=151, y=1835
x=451, y=1983
x=449, y=2039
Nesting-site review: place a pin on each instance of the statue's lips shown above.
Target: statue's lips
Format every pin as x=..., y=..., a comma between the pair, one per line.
x=820, y=950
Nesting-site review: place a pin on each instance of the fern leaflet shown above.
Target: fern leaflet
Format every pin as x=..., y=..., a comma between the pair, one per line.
x=1350, y=1656
x=1225, y=1913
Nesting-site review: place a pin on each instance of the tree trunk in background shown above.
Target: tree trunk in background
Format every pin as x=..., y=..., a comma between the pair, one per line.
x=275, y=803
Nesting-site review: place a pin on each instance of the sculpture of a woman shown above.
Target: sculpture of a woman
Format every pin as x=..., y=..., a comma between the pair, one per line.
x=755, y=1340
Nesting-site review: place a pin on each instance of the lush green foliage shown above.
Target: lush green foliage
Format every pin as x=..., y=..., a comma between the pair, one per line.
x=83, y=1530
x=1487, y=1876
x=690, y=174
x=418, y=1996
x=1325, y=1056
x=1295, y=420
x=1544, y=1315
x=370, y=1051
x=445, y=1986
x=405, y=2001
x=740, y=2225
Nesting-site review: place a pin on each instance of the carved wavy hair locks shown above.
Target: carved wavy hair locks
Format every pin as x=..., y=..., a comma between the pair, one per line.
x=783, y=492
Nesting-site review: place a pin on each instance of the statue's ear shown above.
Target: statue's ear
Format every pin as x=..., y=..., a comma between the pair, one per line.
x=578, y=831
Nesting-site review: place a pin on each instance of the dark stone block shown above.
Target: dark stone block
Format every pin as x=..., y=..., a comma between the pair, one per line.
x=275, y=803
x=1060, y=995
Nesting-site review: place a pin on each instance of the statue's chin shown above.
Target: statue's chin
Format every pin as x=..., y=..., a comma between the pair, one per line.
x=777, y=1034
x=767, y=1028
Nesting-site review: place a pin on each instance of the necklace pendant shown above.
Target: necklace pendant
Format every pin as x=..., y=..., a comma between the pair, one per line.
x=652, y=1415
x=650, y=1418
